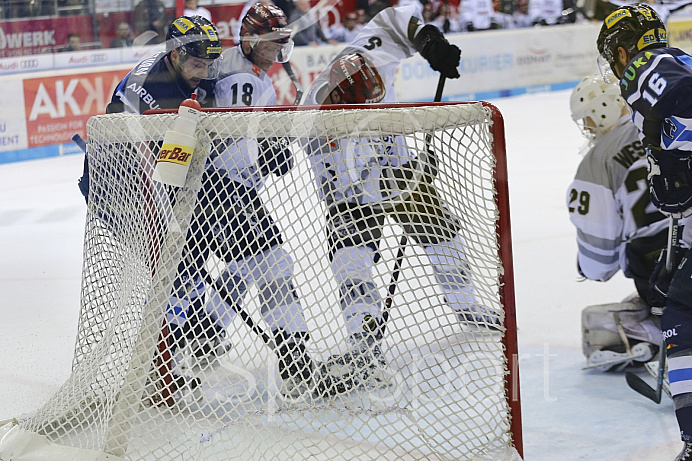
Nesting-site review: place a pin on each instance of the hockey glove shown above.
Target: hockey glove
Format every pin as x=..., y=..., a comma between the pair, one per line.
x=659, y=282
x=434, y=47
x=670, y=179
x=275, y=156
x=83, y=182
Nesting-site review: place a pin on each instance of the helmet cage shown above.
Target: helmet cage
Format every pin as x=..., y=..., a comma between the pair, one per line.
x=599, y=101
x=280, y=48
x=214, y=69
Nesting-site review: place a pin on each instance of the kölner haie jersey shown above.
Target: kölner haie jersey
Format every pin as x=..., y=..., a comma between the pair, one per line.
x=151, y=85
x=386, y=40
x=608, y=201
x=242, y=84
x=351, y=170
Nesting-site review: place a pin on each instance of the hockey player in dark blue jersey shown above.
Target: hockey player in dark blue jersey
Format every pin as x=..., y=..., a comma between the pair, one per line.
x=656, y=82
x=169, y=77
x=164, y=81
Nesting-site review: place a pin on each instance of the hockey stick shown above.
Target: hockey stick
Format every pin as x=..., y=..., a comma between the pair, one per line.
x=239, y=310
x=633, y=381
x=294, y=80
x=396, y=270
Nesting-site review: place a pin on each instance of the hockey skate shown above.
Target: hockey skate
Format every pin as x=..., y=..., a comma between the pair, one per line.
x=295, y=365
x=203, y=340
x=686, y=453
x=178, y=387
x=479, y=316
x=363, y=366
x=616, y=358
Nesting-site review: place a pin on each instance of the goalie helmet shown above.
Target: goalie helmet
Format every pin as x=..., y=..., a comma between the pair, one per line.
x=356, y=80
x=195, y=36
x=267, y=23
x=600, y=102
x=633, y=27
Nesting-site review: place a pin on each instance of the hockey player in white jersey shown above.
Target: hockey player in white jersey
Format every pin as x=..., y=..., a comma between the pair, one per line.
x=617, y=226
x=245, y=236
x=364, y=73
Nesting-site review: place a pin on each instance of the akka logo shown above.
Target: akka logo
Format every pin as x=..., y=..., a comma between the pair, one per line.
x=69, y=95
x=26, y=39
x=59, y=107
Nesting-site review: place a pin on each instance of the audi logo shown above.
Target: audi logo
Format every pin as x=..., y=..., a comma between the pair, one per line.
x=28, y=64
x=99, y=58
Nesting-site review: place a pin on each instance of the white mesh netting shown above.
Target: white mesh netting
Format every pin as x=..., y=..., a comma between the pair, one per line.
x=217, y=320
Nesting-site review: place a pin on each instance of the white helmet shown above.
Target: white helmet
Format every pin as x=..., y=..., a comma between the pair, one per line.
x=600, y=102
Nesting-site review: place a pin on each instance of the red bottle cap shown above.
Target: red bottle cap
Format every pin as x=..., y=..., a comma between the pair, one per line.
x=192, y=102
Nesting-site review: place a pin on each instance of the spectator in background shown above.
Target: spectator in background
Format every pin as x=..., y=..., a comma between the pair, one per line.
x=150, y=18
x=477, y=15
x=521, y=14
x=346, y=31
x=428, y=13
x=305, y=22
x=192, y=8
x=74, y=43
x=362, y=16
x=123, y=37
x=546, y=12
x=447, y=18
x=72, y=8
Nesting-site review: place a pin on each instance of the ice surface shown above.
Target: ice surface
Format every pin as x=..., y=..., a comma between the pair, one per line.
x=568, y=414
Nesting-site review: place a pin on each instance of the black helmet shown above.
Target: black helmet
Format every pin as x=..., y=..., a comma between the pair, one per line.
x=633, y=27
x=195, y=35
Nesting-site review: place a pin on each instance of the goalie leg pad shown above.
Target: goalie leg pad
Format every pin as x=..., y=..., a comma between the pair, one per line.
x=600, y=325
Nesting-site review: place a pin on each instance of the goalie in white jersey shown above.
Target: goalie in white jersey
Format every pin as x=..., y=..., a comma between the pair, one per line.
x=617, y=226
x=350, y=173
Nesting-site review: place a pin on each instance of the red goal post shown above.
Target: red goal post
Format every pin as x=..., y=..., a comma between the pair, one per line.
x=452, y=390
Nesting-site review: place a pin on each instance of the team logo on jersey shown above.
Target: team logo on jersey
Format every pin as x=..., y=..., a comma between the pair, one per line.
x=615, y=16
x=669, y=128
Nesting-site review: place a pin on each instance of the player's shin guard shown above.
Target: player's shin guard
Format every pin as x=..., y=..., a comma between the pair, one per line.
x=453, y=274
x=676, y=327
x=358, y=296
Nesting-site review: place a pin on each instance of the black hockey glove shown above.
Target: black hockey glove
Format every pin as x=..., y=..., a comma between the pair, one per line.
x=83, y=182
x=659, y=282
x=434, y=47
x=670, y=179
x=275, y=156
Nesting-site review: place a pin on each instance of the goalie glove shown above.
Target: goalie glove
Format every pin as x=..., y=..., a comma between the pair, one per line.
x=660, y=279
x=275, y=156
x=434, y=47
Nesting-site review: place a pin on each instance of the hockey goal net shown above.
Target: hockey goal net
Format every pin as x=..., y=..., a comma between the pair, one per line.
x=448, y=384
